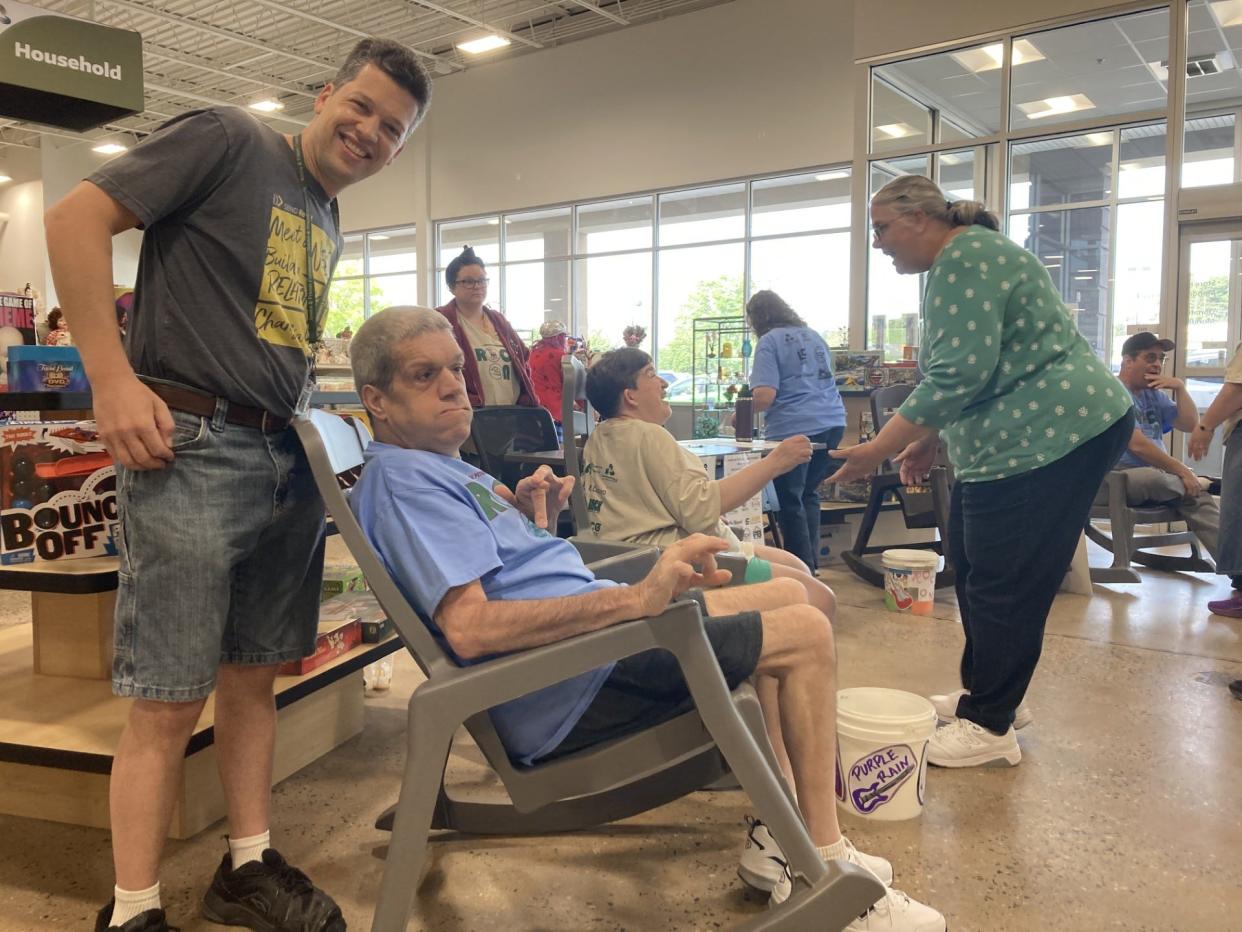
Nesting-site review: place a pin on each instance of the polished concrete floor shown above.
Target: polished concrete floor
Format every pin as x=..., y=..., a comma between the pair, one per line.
x=1124, y=814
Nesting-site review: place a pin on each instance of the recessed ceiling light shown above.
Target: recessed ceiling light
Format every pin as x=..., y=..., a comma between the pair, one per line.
x=1099, y=139
x=896, y=130
x=1056, y=106
x=379, y=236
x=989, y=57
x=484, y=44
x=1227, y=12
x=109, y=148
x=5, y=178
x=832, y=176
x=493, y=221
x=267, y=105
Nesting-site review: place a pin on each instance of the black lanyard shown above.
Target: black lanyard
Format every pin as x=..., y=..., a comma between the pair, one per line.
x=315, y=312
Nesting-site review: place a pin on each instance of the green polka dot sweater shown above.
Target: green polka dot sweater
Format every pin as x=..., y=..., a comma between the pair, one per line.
x=1008, y=379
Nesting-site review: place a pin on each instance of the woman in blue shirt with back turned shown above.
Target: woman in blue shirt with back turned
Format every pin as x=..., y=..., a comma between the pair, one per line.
x=793, y=382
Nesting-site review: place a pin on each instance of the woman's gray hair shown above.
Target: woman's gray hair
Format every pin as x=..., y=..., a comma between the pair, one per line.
x=914, y=192
x=372, y=351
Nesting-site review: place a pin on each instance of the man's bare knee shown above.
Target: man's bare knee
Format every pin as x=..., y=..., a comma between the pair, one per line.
x=796, y=637
x=792, y=592
x=164, y=723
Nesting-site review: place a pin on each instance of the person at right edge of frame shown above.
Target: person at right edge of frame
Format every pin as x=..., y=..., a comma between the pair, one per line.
x=221, y=528
x=1033, y=421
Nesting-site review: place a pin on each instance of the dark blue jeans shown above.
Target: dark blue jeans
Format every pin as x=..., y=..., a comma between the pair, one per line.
x=798, y=494
x=1011, y=542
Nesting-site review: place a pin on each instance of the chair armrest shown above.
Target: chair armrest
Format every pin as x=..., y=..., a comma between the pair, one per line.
x=480, y=686
x=592, y=549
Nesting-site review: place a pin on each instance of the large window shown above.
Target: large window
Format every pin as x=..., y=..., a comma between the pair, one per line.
x=377, y=269
x=660, y=260
x=1080, y=189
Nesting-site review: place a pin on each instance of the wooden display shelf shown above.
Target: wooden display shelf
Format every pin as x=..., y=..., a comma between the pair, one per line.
x=58, y=734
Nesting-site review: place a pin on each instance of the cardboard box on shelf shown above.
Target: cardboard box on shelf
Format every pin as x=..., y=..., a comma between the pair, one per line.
x=57, y=492
x=338, y=579
x=362, y=605
x=46, y=369
x=335, y=637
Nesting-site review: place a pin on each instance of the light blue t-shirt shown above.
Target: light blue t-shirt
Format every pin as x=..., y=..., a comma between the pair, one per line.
x=796, y=362
x=436, y=524
x=1154, y=414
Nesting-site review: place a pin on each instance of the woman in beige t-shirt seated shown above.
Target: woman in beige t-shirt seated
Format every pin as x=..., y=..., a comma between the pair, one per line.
x=643, y=487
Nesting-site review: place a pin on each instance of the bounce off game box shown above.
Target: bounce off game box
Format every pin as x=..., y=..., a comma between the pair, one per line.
x=57, y=492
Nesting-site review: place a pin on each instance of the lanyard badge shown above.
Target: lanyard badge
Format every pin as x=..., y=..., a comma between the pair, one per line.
x=316, y=305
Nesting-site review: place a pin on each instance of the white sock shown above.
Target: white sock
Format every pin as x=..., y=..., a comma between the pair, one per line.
x=835, y=851
x=245, y=850
x=131, y=903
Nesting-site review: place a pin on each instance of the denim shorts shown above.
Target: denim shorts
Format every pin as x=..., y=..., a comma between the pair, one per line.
x=221, y=559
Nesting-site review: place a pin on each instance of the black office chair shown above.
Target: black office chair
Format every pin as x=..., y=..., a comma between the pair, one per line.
x=502, y=429
x=922, y=507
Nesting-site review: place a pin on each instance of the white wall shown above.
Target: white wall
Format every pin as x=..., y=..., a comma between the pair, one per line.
x=63, y=167
x=884, y=27
x=743, y=88
x=21, y=220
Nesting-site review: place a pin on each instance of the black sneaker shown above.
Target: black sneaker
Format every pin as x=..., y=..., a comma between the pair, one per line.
x=153, y=920
x=269, y=896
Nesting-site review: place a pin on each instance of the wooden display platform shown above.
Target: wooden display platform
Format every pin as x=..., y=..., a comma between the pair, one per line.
x=57, y=736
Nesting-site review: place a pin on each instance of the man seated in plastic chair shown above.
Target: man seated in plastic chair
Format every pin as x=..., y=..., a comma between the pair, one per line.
x=474, y=557
x=1153, y=477
x=643, y=487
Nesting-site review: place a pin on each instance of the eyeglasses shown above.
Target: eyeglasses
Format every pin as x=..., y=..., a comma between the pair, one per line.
x=472, y=282
x=877, y=229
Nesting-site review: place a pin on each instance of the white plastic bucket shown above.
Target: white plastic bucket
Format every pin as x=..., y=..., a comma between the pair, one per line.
x=910, y=580
x=882, y=737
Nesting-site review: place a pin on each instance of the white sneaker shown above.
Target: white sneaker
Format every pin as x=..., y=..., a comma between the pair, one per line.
x=962, y=743
x=946, y=709
x=897, y=912
x=877, y=865
x=763, y=862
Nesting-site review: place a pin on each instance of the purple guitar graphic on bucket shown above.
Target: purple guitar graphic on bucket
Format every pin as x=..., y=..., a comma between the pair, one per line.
x=875, y=779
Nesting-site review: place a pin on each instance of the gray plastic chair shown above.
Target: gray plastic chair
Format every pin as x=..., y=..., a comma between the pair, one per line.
x=575, y=424
x=612, y=781
x=1127, y=548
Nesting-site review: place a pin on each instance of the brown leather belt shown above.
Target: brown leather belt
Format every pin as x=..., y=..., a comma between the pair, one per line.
x=192, y=402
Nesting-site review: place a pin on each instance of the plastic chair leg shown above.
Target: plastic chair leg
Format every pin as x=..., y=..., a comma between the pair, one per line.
x=427, y=749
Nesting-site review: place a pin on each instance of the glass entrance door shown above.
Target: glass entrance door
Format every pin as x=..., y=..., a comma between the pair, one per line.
x=1209, y=320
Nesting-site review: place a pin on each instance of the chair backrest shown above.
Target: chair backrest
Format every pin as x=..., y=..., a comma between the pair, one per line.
x=334, y=447
x=885, y=401
x=500, y=429
x=575, y=423
x=573, y=382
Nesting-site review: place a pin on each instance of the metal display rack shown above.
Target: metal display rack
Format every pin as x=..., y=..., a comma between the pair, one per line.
x=721, y=349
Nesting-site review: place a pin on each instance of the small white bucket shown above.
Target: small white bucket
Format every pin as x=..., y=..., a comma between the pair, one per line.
x=910, y=580
x=882, y=737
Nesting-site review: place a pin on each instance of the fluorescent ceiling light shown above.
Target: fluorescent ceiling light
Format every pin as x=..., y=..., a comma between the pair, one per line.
x=952, y=158
x=379, y=236
x=493, y=221
x=1054, y=257
x=989, y=57
x=1099, y=139
x=485, y=44
x=1055, y=106
x=896, y=130
x=5, y=177
x=267, y=105
x=1082, y=278
x=109, y=148
x=1085, y=271
x=832, y=176
x=1052, y=265
x=1227, y=12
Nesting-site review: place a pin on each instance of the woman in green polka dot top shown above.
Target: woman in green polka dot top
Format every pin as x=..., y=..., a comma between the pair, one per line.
x=1032, y=420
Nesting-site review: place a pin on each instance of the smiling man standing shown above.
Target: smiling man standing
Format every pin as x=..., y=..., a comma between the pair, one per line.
x=240, y=239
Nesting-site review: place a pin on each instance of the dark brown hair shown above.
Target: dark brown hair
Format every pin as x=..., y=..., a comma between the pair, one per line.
x=766, y=310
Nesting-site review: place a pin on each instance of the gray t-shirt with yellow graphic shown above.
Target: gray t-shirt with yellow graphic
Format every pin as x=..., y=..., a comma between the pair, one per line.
x=220, y=302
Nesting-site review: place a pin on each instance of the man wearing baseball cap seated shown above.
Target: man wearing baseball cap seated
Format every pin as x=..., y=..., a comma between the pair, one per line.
x=1153, y=476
